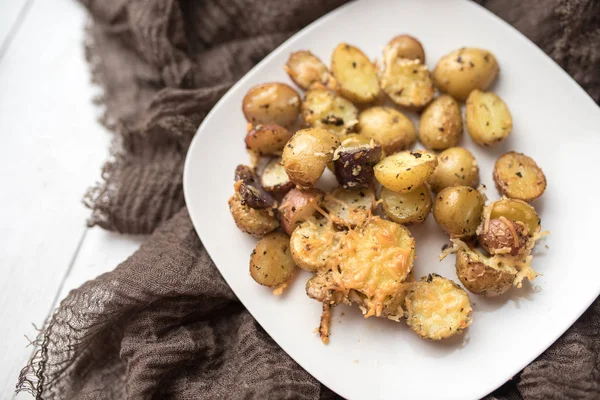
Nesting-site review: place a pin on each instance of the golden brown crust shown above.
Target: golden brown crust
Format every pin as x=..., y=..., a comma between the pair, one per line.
x=517, y=176
x=254, y=222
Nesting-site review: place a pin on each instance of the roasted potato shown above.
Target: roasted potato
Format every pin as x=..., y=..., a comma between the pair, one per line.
x=406, y=82
x=306, y=69
x=406, y=46
x=519, y=177
x=354, y=160
x=349, y=208
x=407, y=208
x=388, y=127
x=437, y=308
x=297, y=206
x=355, y=74
x=458, y=209
x=503, y=236
x=456, y=167
x=272, y=103
x=255, y=222
x=243, y=173
x=313, y=243
x=441, y=125
x=274, y=178
x=249, y=187
x=515, y=210
x=306, y=155
x=268, y=139
x=320, y=287
x=405, y=171
x=479, y=276
x=464, y=70
x=324, y=109
x=271, y=262
x=488, y=118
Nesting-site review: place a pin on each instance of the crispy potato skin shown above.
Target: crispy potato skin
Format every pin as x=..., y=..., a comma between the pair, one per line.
x=499, y=236
x=437, y=308
x=297, y=206
x=305, y=69
x=407, y=208
x=464, y=70
x=517, y=176
x=393, y=130
x=458, y=210
x=441, y=125
x=488, y=118
x=254, y=222
x=406, y=46
x=268, y=139
x=271, y=263
x=456, y=167
x=324, y=109
x=306, y=155
x=272, y=103
x=405, y=171
x=355, y=74
x=481, y=279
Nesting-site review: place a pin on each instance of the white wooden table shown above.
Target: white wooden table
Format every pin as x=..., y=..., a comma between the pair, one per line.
x=51, y=151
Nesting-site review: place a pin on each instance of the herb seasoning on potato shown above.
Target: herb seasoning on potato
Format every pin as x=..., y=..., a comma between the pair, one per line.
x=405, y=171
x=519, y=177
x=488, y=119
x=441, y=125
x=390, y=128
x=458, y=209
x=325, y=109
x=305, y=69
x=272, y=103
x=456, y=167
x=355, y=74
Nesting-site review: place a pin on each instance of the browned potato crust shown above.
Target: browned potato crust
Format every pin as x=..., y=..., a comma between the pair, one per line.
x=355, y=74
x=271, y=263
x=519, y=177
x=456, y=167
x=441, y=125
x=272, y=103
x=255, y=222
x=407, y=208
x=406, y=46
x=305, y=69
x=488, y=119
x=464, y=70
x=267, y=139
x=458, y=210
x=480, y=278
x=390, y=128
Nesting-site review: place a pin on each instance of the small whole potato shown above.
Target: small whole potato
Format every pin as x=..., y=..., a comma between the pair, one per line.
x=456, y=167
x=390, y=128
x=488, y=118
x=464, y=70
x=441, y=126
x=355, y=74
x=267, y=139
x=519, y=177
x=516, y=210
x=306, y=155
x=324, y=109
x=405, y=171
x=407, y=208
x=271, y=262
x=458, y=209
x=503, y=236
x=305, y=69
x=479, y=277
x=406, y=46
x=272, y=103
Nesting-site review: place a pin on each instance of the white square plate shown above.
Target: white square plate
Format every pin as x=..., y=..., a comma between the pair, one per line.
x=555, y=122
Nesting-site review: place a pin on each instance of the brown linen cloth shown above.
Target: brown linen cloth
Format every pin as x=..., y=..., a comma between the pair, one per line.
x=164, y=324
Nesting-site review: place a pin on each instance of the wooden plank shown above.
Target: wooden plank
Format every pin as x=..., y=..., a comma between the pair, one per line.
x=51, y=150
x=12, y=13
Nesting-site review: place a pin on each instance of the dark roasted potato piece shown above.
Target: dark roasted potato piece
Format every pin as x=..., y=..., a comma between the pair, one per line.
x=271, y=262
x=255, y=196
x=354, y=160
x=504, y=236
x=479, y=277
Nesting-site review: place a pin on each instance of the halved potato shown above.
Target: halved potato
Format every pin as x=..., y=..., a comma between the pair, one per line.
x=503, y=236
x=354, y=160
x=355, y=74
x=515, y=210
x=272, y=103
x=306, y=69
x=255, y=222
x=350, y=208
x=313, y=243
x=458, y=210
x=437, y=308
x=271, y=262
x=297, y=206
x=464, y=70
x=406, y=46
x=306, y=155
x=519, y=177
x=274, y=178
x=488, y=118
x=405, y=171
x=456, y=167
x=407, y=208
x=390, y=128
x=267, y=139
x=441, y=126
x=406, y=82
x=479, y=276
x=324, y=109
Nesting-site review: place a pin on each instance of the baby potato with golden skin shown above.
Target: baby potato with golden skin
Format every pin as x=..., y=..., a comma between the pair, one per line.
x=456, y=167
x=458, y=210
x=387, y=126
x=441, y=124
x=272, y=103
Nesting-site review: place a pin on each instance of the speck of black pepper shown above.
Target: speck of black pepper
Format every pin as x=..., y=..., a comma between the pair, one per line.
x=459, y=60
x=264, y=253
x=408, y=169
x=293, y=209
x=471, y=64
x=416, y=155
x=353, y=64
x=441, y=129
x=519, y=174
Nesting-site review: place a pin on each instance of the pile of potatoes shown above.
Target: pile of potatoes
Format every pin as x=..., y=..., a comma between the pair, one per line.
x=352, y=119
